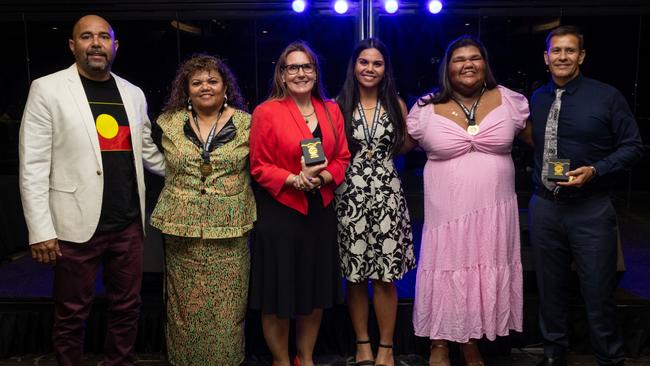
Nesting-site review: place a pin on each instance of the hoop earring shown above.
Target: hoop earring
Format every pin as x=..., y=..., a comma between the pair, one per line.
x=189, y=104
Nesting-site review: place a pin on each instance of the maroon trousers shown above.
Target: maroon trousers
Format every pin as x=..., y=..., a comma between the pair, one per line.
x=74, y=278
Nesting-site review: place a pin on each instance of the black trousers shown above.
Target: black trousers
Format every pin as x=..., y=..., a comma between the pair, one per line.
x=585, y=231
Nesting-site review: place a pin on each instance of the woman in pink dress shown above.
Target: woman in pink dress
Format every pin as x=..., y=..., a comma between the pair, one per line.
x=469, y=278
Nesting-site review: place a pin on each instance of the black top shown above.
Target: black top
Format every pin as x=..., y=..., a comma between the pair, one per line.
x=225, y=135
x=120, y=203
x=595, y=127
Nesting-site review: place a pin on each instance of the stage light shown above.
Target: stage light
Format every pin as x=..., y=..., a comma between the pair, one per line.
x=341, y=6
x=298, y=6
x=435, y=6
x=391, y=6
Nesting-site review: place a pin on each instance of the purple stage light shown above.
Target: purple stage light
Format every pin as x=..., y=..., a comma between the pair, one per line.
x=391, y=6
x=435, y=6
x=298, y=6
x=341, y=6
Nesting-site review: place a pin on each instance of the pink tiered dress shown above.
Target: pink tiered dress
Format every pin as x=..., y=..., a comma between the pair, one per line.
x=469, y=278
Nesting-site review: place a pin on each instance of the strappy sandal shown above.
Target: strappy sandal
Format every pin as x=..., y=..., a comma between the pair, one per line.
x=475, y=362
x=364, y=362
x=442, y=347
x=384, y=346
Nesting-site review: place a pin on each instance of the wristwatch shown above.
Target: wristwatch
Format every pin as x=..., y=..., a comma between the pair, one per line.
x=593, y=170
x=322, y=181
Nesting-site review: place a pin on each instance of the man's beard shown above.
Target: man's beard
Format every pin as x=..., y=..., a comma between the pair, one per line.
x=97, y=66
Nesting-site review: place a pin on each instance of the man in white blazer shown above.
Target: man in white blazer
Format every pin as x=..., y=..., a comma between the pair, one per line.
x=83, y=139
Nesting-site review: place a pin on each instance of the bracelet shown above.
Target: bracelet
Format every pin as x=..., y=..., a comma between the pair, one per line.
x=322, y=181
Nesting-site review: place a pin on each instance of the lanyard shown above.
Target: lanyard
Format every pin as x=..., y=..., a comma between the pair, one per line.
x=471, y=113
x=369, y=134
x=206, y=144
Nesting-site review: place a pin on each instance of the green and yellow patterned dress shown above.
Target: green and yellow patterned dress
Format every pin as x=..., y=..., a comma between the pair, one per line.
x=206, y=221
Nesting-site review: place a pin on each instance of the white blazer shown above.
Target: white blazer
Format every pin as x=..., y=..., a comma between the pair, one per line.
x=60, y=171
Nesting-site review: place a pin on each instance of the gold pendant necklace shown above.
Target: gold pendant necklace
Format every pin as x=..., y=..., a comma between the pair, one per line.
x=306, y=116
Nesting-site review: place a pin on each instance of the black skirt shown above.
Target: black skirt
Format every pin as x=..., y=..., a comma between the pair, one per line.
x=294, y=261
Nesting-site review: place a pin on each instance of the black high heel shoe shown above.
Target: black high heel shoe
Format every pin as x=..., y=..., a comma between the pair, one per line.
x=364, y=362
x=384, y=346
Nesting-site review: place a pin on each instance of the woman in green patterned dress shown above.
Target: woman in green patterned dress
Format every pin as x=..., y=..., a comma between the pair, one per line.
x=205, y=212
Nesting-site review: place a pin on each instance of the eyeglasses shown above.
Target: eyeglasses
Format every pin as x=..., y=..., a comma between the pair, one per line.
x=293, y=69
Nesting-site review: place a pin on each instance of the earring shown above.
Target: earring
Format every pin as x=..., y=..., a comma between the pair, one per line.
x=189, y=104
x=225, y=100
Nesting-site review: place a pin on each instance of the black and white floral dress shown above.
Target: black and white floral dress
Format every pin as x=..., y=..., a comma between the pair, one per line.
x=374, y=228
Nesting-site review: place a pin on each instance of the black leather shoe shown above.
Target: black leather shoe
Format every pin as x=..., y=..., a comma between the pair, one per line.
x=621, y=363
x=548, y=361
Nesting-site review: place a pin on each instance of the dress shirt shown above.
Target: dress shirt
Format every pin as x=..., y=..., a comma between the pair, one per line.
x=595, y=127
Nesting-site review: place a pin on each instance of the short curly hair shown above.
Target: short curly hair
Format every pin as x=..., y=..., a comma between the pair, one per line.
x=201, y=62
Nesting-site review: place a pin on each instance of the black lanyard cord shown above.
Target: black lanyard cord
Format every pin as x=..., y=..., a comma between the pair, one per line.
x=470, y=114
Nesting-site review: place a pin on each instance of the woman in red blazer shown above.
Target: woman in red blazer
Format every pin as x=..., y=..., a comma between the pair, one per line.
x=294, y=266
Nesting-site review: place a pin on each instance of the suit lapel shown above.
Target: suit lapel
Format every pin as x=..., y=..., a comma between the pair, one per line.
x=297, y=118
x=81, y=101
x=323, y=121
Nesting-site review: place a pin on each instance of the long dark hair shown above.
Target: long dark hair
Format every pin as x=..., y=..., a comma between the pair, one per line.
x=201, y=62
x=442, y=93
x=348, y=98
x=279, y=89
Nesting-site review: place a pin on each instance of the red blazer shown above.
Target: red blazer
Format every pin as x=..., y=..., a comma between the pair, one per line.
x=276, y=130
